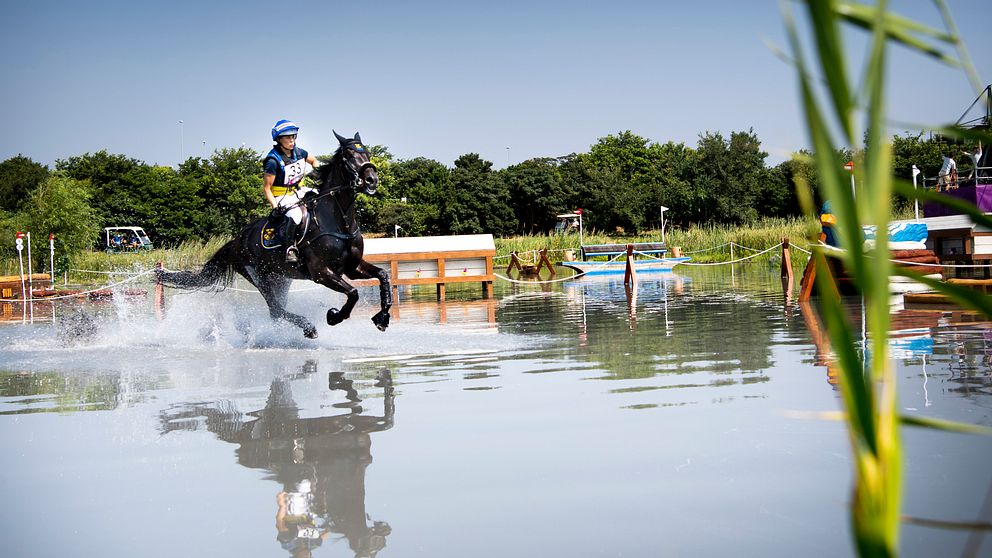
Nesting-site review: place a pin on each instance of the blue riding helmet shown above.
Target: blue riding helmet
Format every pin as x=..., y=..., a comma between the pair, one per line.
x=284, y=128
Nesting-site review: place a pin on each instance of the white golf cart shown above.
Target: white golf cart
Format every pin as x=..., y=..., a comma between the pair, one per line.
x=125, y=239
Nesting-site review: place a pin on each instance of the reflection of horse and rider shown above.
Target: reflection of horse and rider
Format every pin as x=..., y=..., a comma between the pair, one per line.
x=319, y=461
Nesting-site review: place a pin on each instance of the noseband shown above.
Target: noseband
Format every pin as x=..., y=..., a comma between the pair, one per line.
x=357, y=172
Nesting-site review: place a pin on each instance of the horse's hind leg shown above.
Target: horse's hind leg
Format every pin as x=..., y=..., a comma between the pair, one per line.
x=274, y=290
x=366, y=270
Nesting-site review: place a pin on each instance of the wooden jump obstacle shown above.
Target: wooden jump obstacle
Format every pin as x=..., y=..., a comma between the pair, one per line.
x=10, y=285
x=434, y=260
x=530, y=270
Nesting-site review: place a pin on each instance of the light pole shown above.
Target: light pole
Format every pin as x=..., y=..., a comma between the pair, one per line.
x=850, y=168
x=663, y=210
x=507, y=155
x=579, y=213
x=916, y=201
x=182, y=150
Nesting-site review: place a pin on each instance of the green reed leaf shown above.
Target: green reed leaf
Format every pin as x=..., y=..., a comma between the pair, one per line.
x=899, y=29
x=945, y=425
x=964, y=296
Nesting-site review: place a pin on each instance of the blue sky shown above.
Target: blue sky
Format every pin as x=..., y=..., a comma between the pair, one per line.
x=434, y=78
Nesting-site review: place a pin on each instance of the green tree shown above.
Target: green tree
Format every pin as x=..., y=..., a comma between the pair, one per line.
x=781, y=194
x=60, y=205
x=625, y=162
x=233, y=186
x=421, y=182
x=676, y=164
x=371, y=208
x=731, y=174
x=474, y=201
x=173, y=208
x=588, y=188
x=116, y=182
x=536, y=194
x=19, y=176
x=927, y=154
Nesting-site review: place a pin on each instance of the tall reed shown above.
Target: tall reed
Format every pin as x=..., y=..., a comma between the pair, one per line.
x=837, y=112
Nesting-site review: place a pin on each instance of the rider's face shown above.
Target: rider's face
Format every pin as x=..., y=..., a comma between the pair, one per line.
x=287, y=142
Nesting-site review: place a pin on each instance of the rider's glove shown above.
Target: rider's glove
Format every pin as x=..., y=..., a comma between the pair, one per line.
x=278, y=212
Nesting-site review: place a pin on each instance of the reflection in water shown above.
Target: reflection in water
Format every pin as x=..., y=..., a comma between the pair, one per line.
x=962, y=338
x=319, y=461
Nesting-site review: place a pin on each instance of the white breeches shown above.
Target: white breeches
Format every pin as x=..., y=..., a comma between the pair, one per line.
x=291, y=198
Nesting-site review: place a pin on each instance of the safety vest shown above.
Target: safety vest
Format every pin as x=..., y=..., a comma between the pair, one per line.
x=288, y=175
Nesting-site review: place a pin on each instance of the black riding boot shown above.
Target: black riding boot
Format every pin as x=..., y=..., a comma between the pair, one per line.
x=289, y=237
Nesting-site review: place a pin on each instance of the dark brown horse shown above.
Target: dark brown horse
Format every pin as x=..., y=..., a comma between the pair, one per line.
x=330, y=250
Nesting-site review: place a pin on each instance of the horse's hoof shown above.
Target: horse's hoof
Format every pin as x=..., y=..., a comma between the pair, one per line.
x=310, y=332
x=381, y=320
x=334, y=317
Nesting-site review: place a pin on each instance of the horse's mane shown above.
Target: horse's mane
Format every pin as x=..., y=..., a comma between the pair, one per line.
x=323, y=173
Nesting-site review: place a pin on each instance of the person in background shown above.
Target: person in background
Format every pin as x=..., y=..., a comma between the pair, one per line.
x=976, y=157
x=286, y=164
x=948, y=175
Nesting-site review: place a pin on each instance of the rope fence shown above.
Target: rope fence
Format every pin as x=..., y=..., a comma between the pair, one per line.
x=81, y=293
x=135, y=275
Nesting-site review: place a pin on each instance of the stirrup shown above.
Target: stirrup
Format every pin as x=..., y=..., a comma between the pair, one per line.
x=291, y=255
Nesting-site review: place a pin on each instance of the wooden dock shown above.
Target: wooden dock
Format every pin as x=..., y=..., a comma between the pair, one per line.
x=434, y=260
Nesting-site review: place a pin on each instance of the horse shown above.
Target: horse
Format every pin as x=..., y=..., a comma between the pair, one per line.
x=331, y=247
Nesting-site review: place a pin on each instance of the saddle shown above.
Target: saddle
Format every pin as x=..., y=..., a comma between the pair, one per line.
x=273, y=233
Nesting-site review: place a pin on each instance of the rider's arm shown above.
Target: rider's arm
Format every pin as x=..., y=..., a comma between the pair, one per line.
x=312, y=160
x=267, y=181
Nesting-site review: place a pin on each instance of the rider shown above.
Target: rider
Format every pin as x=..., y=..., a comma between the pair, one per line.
x=285, y=166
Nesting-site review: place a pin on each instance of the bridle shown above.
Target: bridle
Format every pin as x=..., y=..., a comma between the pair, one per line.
x=355, y=172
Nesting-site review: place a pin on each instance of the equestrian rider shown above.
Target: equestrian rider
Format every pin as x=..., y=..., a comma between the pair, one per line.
x=285, y=166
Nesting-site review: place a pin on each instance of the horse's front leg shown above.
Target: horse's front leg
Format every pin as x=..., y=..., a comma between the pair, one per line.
x=335, y=282
x=365, y=270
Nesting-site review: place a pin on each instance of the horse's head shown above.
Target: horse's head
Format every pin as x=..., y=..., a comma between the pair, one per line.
x=358, y=167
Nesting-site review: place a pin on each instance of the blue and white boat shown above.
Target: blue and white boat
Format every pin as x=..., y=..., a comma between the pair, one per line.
x=647, y=257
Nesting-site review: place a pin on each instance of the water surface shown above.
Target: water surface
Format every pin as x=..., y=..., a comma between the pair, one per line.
x=571, y=419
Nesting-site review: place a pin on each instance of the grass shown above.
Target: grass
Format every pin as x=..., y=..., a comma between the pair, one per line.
x=709, y=243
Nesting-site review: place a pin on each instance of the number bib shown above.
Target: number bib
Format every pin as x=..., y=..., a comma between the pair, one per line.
x=296, y=171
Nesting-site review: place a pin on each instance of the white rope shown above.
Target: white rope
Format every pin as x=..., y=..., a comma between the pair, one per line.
x=106, y=272
x=313, y=287
x=708, y=249
x=745, y=247
x=74, y=295
x=801, y=249
x=942, y=265
x=733, y=261
x=569, y=278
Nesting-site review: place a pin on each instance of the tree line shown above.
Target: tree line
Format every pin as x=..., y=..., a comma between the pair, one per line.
x=620, y=183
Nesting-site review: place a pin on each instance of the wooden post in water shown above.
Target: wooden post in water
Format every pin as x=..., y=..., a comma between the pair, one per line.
x=629, y=275
x=786, y=269
x=545, y=262
x=514, y=263
x=159, y=295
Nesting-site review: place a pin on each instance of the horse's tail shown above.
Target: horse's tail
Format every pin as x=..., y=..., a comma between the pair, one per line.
x=218, y=271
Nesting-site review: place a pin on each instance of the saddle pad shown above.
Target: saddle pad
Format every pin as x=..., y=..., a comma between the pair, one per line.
x=270, y=237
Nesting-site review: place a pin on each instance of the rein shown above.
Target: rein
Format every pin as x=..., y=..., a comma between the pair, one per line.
x=311, y=201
